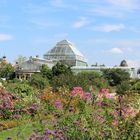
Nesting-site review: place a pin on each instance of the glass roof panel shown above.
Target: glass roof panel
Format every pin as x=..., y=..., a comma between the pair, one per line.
x=65, y=47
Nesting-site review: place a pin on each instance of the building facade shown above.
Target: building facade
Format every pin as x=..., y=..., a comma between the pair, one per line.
x=31, y=66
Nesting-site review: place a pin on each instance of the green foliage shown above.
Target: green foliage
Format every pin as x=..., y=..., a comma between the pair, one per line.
x=90, y=74
x=86, y=79
x=69, y=81
x=116, y=76
x=24, y=92
x=60, y=68
x=23, y=130
x=123, y=88
x=135, y=86
x=62, y=76
x=63, y=80
x=46, y=72
x=20, y=89
x=6, y=70
x=133, y=81
x=38, y=81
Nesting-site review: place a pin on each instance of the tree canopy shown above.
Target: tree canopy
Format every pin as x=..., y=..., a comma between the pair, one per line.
x=61, y=68
x=6, y=70
x=116, y=76
x=46, y=71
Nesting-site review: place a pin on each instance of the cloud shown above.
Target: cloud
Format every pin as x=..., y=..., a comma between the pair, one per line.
x=109, y=27
x=116, y=51
x=81, y=22
x=5, y=37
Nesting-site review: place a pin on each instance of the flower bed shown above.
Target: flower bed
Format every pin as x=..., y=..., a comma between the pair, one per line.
x=76, y=114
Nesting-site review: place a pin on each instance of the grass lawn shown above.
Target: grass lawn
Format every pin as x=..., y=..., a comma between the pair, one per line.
x=23, y=131
x=17, y=133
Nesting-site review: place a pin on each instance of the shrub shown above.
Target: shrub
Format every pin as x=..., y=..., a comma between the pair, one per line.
x=63, y=80
x=38, y=81
x=136, y=87
x=61, y=68
x=46, y=72
x=20, y=89
x=116, y=76
x=123, y=88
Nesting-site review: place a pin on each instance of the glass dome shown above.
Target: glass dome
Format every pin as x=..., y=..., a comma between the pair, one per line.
x=65, y=52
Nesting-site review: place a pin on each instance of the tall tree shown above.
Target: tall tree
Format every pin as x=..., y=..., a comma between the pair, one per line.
x=61, y=68
x=46, y=71
x=6, y=70
x=116, y=76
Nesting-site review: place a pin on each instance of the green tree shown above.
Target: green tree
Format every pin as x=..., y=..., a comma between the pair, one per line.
x=91, y=75
x=116, y=76
x=93, y=78
x=83, y=79
x=61, y=68
x=6, y=70
x=123, y=88
x=46, y=71
x=135, y=85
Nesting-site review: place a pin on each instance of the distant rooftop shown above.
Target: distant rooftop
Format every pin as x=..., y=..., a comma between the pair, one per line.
x=123, y=63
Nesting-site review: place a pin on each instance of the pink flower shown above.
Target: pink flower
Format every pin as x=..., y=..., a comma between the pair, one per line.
x=58, y=104
x=88, y=97
x=99, y=103
x=115, y=122
x=129, y=112
x=100, y=110
x=77, y=91
x=104, y=93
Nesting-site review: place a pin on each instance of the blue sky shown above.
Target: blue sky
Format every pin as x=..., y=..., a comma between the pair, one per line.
x=105, y=31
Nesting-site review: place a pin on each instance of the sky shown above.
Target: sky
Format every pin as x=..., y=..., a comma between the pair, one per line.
x=105, y=31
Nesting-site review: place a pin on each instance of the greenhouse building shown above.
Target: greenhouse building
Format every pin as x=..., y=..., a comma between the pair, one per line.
x=65, y=52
